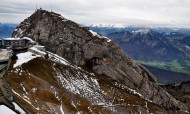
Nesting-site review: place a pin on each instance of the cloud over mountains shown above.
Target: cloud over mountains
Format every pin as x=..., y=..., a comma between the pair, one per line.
x=128, y=12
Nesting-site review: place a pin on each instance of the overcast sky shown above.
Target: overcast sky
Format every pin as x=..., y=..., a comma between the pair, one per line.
x=126, y=12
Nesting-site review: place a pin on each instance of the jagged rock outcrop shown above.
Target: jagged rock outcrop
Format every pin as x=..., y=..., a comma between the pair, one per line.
x=183, y=87
x=180, y=91
x=81, y=46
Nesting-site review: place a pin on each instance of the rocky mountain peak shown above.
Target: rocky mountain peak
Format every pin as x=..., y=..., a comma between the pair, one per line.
x=94, y=53
x=143, y=31
x=147, y=33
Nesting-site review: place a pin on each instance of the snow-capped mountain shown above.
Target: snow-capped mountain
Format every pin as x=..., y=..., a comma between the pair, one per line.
x=147, y=45
x=83, y=72
x=108, y=25
x=160, y=50
x=106, y=29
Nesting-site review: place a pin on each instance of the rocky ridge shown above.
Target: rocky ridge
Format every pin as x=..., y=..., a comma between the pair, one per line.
x=180, y=91
x=94, y=53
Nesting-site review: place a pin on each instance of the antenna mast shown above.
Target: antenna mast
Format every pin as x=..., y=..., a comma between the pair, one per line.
x=36, y=5
x=50, y=6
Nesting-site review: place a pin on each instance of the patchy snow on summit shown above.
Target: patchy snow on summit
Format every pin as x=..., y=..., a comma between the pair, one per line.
x=142, y=31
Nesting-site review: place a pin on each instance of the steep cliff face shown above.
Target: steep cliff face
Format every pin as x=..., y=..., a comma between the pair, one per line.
x=180, y=91
x=94, y=53
x=183, y=87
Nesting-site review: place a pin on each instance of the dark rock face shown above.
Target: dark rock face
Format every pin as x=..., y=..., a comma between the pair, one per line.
x=180, y=91
x=183, y=87
x=81, y=47
x=147, y=45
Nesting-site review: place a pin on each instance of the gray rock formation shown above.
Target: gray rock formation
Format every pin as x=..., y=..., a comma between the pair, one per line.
x=180, y=91
x=183, y=87
x=91, y=51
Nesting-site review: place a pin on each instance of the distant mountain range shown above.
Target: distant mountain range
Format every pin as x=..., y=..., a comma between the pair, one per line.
x=106, y=29
x=163, y=48
x=6, y=29
x=156, y=49
x=147, y=45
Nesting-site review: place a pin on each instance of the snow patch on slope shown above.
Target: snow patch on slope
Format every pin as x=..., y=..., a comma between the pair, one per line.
x=6, y=110
x=24, y=58
x=18, y=108
x=85, y=85
x=57, y=59
x=96, y=34
x=34, y=52
x=37, y=51
x=25, y=99
x=61, y=108
x=29, y=39
x=131, y=91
